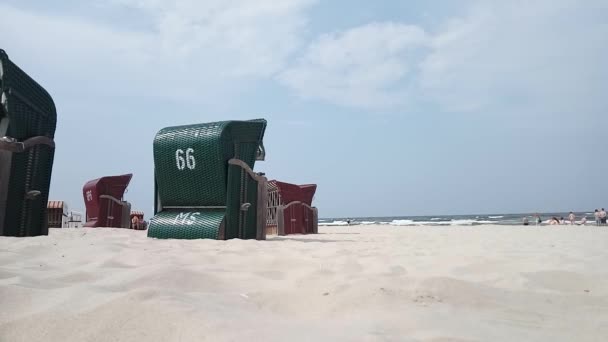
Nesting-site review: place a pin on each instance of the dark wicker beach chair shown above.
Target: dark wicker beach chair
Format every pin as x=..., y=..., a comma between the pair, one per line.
x=27, y=129
x=205, y=186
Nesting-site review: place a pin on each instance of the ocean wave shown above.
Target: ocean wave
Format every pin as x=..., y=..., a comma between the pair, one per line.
x=465, y=222
x=367, y=222
x=410, y=223
x=495, y=217
x=334, y=223
x=436, y=219
x=402, y=223
x=428, y=223
x=453, y=222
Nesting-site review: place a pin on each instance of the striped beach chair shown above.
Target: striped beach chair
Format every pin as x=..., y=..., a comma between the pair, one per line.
x=205, y=185
x=27, y=129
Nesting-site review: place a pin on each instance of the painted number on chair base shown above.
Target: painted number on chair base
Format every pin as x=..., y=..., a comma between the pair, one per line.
x=186, y=218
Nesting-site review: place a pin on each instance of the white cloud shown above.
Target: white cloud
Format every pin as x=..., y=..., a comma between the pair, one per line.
x=544, y=56
x=189, y=47
x=243, y=38
x=361, y=67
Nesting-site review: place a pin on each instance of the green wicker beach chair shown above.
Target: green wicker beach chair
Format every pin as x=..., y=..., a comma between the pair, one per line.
x=27, y=129
x=204, y=183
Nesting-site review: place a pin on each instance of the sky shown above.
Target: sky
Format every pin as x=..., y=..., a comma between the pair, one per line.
x=392, y=107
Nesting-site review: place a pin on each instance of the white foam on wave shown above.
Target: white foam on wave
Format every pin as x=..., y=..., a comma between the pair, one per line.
x=453, y=222
x=334, y=223
x=436, y=219
x=465, y=222
x=495, y=217
x=459, y=222
x=429, y=223
x=367, y=222
x=402, y=223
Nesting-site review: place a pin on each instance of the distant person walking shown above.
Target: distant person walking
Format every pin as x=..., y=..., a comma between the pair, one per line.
x=603, y=217
x=526, y=221
x=597, y=217
x=539, y=221
x=572, y=218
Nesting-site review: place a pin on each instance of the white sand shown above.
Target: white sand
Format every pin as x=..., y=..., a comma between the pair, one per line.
x=352, y=283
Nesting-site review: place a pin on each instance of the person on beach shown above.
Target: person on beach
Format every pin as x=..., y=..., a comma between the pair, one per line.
x=572, y=218
x=134, y=222
x=553, y=221
x=597, y=217
x=583, y=221
x=602, y=217
x=526, y=220
x=562, y=220
x=539, y=221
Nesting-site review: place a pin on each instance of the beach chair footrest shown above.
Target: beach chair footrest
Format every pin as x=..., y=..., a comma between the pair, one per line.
x=188, y=224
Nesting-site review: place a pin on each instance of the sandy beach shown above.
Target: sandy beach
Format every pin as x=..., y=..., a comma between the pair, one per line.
x=363, y=283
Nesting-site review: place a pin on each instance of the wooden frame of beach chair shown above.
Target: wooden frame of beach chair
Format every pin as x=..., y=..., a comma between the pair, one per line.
x=225, y=198
x=297, y=218
x=28, y=120
x=252, y=189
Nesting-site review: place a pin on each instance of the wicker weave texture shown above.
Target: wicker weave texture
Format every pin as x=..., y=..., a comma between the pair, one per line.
x=31, y=112
x=209, y=147
x=199, y=224
x=191, y=168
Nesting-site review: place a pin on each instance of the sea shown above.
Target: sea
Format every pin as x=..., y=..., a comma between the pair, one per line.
x=453, y=220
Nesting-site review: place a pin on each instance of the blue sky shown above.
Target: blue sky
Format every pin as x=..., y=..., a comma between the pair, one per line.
x=391, y=107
